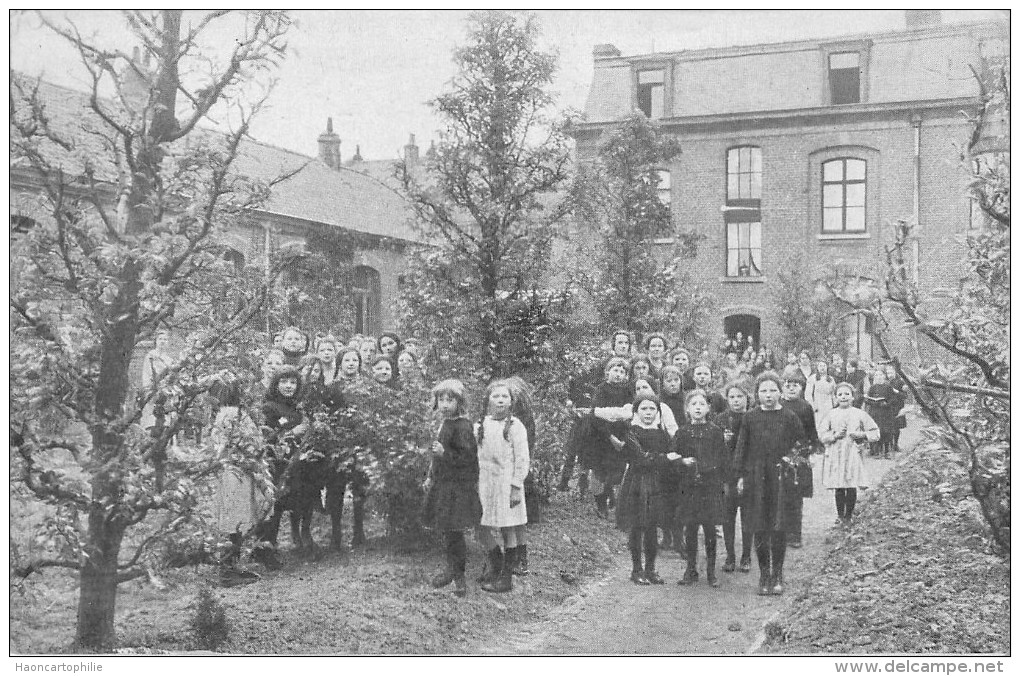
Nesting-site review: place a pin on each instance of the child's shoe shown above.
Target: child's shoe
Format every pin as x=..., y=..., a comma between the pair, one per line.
x=443, y=578
x=492, y=566
x=461, y=589
x=653, y=577
x=638, y=577
x=521, y=561
x=764, y=583
x=731, y=563
x=690, y=575
x=745, y=563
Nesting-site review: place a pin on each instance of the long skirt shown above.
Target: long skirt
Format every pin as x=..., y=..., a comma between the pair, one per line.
x=239, y=504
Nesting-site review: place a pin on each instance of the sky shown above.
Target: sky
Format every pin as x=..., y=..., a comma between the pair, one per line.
x=374, y=71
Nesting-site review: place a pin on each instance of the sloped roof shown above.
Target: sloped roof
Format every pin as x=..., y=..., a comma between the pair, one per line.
x=342, y=197
x=311, y=190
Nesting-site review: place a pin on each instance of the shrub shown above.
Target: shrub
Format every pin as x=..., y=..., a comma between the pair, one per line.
x=209, y=625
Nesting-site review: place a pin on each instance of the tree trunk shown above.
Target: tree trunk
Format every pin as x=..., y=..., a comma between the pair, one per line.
x=97, y=596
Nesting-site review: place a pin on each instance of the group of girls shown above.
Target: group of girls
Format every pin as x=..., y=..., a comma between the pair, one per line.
x=687, y=456
x=298, y=378
x=477, y=480
x=878, y=389
x=478, y=477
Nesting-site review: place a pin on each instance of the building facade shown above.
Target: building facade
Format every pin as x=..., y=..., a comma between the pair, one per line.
x=354, y=219
x=804, y=153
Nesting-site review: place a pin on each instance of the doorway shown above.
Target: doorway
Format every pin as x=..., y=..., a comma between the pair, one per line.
x=748, y=326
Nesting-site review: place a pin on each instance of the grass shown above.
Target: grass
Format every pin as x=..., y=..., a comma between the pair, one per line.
x=369, y=601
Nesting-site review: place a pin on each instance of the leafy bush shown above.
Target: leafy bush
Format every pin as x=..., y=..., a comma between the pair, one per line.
x=209, y=625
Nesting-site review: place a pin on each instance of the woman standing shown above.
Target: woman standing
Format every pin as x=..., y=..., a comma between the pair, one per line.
x=820, y=391
x=767, y=437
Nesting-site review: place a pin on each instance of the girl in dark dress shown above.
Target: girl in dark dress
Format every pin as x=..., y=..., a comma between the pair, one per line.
x=648, y=450
x=705, y=464
x=729, y=421
x=452, y=503
x=765, y=445
x=610, y=416
x=883, y=405
x=282, y=415
x=672, y=395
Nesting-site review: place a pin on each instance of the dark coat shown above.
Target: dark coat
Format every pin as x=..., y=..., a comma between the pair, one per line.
x=532, y=499
x=640, y=503
x=728, y=420
x=883, y=404
x=452, y=502
x=599, y=453
x=765, y=438
x=701, y=486
x=806, y=414
x=857, y=380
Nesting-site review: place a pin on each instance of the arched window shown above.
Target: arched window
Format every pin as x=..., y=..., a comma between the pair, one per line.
x=236, y=257
x=844, y=188
x=366, y=296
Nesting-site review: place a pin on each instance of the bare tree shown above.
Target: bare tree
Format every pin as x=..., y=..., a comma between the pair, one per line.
x=133, y=199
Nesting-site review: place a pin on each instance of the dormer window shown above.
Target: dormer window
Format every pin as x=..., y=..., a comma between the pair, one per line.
x=651, y=92
x=845, y=77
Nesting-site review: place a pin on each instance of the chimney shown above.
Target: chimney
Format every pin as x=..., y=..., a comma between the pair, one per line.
x=605, y=51
x=329, y=146
x=357, y=154
x=922, y=18
x=411, y=154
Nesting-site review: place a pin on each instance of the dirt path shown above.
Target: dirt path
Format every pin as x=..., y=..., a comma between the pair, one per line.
x=614, y=616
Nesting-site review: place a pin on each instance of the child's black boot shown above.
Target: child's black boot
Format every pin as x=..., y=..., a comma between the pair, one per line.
x=778, y=558
x=504, y=580
x=521, y=561
x=691, y=556
x=492, y=566
x=710, y=563
x=762, y=550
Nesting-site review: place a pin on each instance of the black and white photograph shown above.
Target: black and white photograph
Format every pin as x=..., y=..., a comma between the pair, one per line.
x=506, y=332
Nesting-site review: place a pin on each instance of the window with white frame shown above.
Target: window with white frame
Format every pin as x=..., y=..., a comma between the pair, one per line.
x=743, y=173
x=743, y=249
x=844, y=184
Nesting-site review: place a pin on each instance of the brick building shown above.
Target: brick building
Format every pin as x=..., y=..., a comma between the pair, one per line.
x=355, y=218
x=810, y=147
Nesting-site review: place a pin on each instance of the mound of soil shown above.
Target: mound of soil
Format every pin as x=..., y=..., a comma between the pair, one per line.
x=916, y=573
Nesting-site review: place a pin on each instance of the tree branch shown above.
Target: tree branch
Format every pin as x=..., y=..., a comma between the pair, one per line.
x=37, y=566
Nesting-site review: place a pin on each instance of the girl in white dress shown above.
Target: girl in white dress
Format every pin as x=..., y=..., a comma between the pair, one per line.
x=846, y=433
x=819, y=392
x=503, y=464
